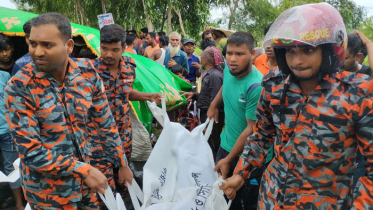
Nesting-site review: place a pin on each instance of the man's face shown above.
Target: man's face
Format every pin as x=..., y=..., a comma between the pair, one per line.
x=111, y=54
x=304, y=62
x=239, y=58
x=142, y=35
x=270, y=52
x=189, y=48
x=149, y=40
x=175, y=41
x=208, y=36
x=349, y=62
x=203, y=63
x=48, y=48
x=7, y=54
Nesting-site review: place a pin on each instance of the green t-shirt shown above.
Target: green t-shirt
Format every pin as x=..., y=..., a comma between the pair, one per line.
x=239, y=104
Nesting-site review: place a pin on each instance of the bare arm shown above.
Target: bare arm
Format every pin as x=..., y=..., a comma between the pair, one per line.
x=141, y=96
x=224, y=164
x=155, y=55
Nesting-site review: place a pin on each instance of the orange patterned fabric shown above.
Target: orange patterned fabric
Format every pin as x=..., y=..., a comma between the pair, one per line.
x=315, y=144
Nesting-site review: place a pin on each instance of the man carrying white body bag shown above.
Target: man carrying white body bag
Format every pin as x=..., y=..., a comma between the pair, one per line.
x=179, y=173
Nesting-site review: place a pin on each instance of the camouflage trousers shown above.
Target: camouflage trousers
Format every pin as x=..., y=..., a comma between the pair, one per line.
x=112, y=175
x=107, y=169
x=89, y=201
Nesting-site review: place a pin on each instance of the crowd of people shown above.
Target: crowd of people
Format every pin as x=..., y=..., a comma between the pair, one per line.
x=292, y=120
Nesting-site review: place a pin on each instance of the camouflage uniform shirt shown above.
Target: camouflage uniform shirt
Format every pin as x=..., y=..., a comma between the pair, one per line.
x=315, y=144
x=48, y=121
x=117, y=90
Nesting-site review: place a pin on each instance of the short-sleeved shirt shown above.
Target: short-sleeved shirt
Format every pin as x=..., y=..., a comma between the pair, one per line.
x=117, y=91
x=240, y=97
x=4, y=78
x=261, y=63
x=192, y=71
x=48, y=121
x=180, y=58
x=149, y=50
x=21, y=62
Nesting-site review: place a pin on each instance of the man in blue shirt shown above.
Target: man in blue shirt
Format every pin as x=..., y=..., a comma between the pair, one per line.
x=193, y=61
x=174, y=55
x=25, y=59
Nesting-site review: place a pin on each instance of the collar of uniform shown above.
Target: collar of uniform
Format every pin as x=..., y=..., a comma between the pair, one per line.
x=104, y=69
x=325, y=83
x=73, y=71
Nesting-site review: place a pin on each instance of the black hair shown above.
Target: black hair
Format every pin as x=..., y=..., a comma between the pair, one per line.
x=27, y=27
x=130, y=39
x=144, y=30
x=131, y=31
x=224, y=52
x=177, y=69
x=152, y=35
x=266, y=29
x=161, y=33
x=354, y=43
x=62, y=23
x=5, y=42
x=240, y=38
x=205, y=33
x=112, y=34
x=364, y=51
x=207, y=43
x=164, y=40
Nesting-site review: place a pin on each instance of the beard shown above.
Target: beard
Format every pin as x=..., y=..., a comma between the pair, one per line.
x=173, y=50
x=312, y=76
x=247, y=68
x=108, y=61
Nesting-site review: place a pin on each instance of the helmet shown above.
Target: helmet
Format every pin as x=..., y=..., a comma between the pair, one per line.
x=309, y=25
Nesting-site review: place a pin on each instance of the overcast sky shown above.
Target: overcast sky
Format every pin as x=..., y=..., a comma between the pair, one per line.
x=218, y=13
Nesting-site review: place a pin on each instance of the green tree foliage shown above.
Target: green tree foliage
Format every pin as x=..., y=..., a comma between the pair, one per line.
x=128, y=13
x=247, y=15
x=352, y=14
x=255, y=15
x=367, y=28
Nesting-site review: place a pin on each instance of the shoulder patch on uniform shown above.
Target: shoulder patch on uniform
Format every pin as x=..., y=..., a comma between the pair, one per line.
x=360, y=81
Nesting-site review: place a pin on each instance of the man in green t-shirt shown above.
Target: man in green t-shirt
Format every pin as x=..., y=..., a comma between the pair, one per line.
x=240, y=93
